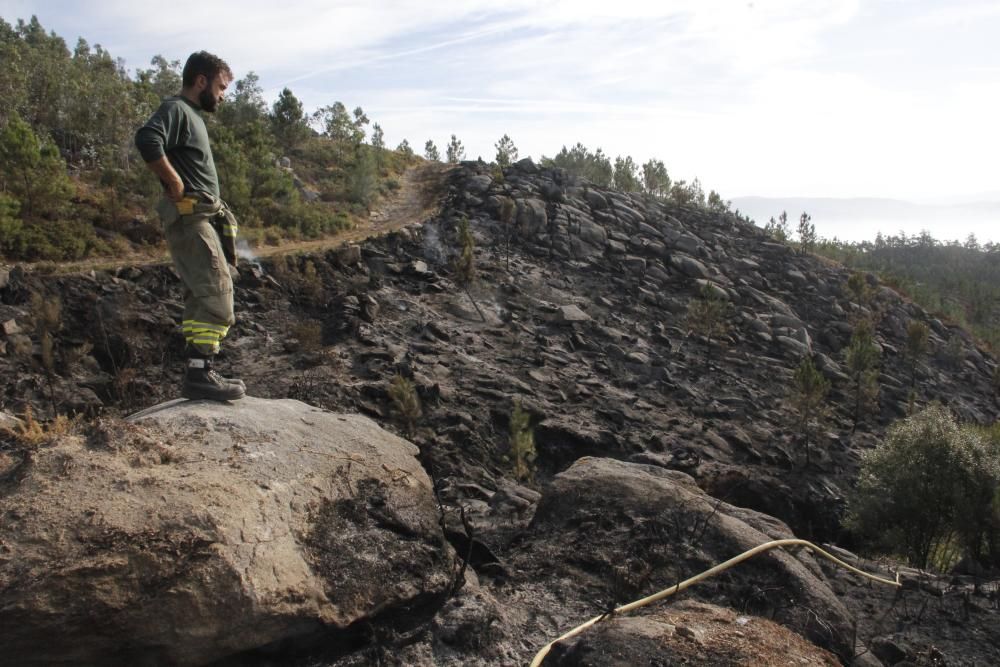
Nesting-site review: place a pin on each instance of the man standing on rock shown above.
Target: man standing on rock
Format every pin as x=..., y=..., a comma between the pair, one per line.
x=199, y=228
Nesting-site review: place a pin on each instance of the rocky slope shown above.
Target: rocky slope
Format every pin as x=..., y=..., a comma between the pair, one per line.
x=579, y=315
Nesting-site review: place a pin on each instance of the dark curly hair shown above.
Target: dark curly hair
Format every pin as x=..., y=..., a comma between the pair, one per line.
x=205, y=63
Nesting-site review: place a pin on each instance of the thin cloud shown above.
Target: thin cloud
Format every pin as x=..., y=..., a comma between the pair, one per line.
x=838, y=97
x=384, y=57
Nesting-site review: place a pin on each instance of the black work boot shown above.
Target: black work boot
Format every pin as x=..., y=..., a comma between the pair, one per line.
x=201, y=382
x=192, y=353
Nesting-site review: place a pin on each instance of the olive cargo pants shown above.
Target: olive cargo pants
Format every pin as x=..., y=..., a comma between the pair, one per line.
x=198, y=256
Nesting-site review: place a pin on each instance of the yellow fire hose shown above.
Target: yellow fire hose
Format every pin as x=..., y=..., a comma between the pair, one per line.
x=656, y=597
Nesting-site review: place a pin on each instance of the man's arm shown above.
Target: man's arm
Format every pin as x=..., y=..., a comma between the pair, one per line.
x=168, y=176
x=154, y=139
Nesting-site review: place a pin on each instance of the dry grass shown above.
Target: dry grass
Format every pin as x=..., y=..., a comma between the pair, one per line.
x=309, y=333
x=32, y=434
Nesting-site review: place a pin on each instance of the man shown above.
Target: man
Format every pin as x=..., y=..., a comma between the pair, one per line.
x=199, y=228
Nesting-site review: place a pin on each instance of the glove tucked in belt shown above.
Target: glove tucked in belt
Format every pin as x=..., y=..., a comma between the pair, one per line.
x=227, y=227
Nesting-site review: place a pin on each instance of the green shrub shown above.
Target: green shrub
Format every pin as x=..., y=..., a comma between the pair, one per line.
x=362, y=180
x=11, y=227
x=32, y=171
x=929, y=484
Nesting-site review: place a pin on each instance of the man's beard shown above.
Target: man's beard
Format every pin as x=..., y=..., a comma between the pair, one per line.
x=207, y=101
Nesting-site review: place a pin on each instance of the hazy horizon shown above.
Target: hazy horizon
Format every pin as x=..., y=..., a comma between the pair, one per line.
x=861, y=218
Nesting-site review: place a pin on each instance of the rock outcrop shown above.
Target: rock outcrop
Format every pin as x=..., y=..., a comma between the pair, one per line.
x=200, y=530
x=629, y=529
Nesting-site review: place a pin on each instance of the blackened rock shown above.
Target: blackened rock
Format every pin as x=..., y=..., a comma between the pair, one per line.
x=527, y=166
x=596, y=200
x=591, y=509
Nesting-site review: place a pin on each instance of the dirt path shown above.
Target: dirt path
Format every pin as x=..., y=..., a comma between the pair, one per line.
x=417, y=199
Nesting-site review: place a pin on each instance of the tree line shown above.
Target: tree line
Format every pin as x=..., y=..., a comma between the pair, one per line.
x=72, y=183
x=956, y=281
x=623, y=173
x=626, y=175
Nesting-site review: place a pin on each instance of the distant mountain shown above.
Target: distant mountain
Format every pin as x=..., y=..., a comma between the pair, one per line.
x=991, y=195
x=862, y=217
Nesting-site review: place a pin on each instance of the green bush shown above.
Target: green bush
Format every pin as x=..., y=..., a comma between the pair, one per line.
x=11, y=227
x=362, y=180
x=32, y=171
x=930, y=484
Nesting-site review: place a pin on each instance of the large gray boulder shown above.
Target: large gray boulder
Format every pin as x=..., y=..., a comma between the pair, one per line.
x=602, y=517
x=531, y=216
x=689, y=266
x=202, y=529
x=591, y=232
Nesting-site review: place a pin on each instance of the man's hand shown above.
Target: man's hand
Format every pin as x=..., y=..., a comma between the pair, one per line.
x=165, y=171
x=175, y=190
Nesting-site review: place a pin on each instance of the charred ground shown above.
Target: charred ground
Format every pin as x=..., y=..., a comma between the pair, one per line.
x=583, y=296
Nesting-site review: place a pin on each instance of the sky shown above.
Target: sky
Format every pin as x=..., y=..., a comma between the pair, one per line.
x=808, y=98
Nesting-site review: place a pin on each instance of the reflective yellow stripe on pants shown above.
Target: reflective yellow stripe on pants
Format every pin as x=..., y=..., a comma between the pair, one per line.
x=204, y=333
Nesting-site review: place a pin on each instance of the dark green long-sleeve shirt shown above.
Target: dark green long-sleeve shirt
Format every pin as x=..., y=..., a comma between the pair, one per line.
x=178, y=131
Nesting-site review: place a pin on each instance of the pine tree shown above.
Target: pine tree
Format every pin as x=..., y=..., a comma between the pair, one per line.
x=595, y=167
x=655, y=180
x=465, y=265
x=359, y=123
x=779, y=230
x=378, y=144
x=405, y=403
x=715, y=202
x=506, y=152
x=626, y=176
x=706, y=318
x=404, y=148
x=807, y=233
x=862, y=357
x=431, y=151
x=288, y=120
x=455, y=150
x=697, y=193
x=808, y=393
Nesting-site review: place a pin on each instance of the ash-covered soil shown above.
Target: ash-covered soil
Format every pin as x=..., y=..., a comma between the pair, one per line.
x=578, y=313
